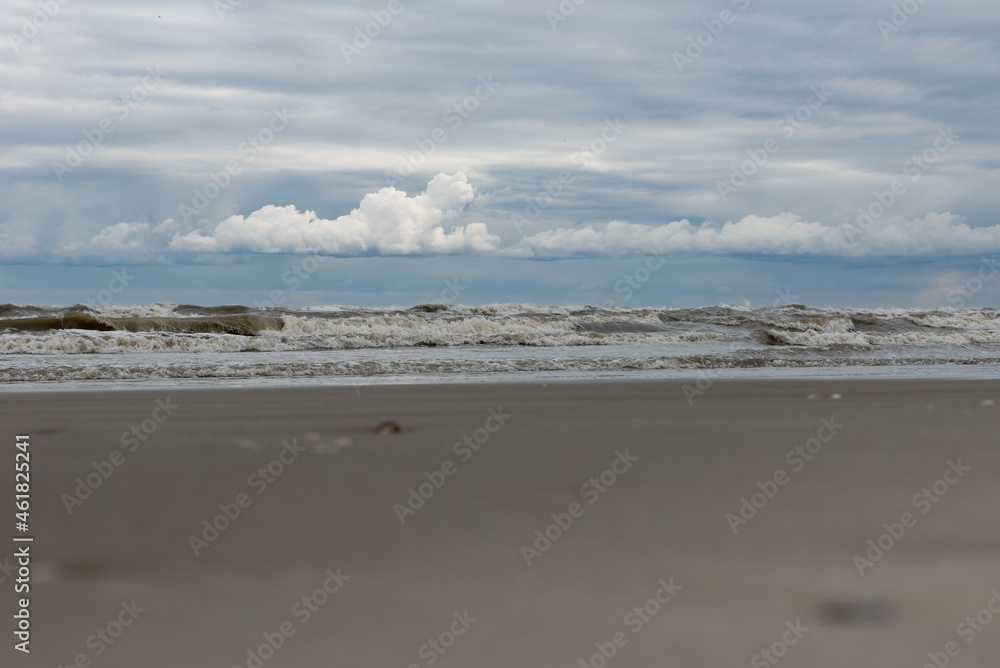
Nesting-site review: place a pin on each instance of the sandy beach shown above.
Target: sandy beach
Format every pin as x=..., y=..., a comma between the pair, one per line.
x=560, y=524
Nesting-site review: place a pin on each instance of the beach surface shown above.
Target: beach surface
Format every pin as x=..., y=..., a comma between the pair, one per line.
x=689, y=523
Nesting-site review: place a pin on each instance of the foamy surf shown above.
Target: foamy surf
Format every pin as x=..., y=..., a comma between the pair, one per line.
x=177, y=341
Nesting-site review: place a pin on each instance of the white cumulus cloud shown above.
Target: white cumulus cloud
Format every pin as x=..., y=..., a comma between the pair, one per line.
x=387, y=222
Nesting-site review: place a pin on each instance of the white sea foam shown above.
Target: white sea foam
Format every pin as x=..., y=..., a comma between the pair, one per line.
x=155, y=310
x=576, y=366
x=166, y=340
x=831, y=324
x=299, y=333
x=871, y=339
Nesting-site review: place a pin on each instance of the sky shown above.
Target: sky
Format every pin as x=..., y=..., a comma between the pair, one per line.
x=399, y=152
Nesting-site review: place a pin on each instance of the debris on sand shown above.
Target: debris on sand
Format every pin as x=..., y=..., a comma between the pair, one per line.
x=387, y=427
x=863, y=611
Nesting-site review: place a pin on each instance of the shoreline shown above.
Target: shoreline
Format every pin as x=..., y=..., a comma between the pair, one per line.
x=944, y=372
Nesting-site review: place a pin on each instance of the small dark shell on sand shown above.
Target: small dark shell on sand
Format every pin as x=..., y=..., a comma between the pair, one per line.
x=853, y=613
x=387, y=427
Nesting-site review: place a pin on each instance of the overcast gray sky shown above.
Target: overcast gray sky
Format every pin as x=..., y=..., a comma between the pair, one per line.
x=772, y=151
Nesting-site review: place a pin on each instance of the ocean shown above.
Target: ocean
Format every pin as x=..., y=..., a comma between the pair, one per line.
x=179, y=344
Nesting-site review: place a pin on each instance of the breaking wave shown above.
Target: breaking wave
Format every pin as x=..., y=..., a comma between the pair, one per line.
x=241, y=325
x=165, y=340
x=163, y=327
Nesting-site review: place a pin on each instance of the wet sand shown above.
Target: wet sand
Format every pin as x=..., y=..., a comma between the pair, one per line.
x=638, y=488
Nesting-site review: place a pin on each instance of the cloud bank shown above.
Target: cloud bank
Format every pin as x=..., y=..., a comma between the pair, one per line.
x=390, y=223
x=784, y=235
